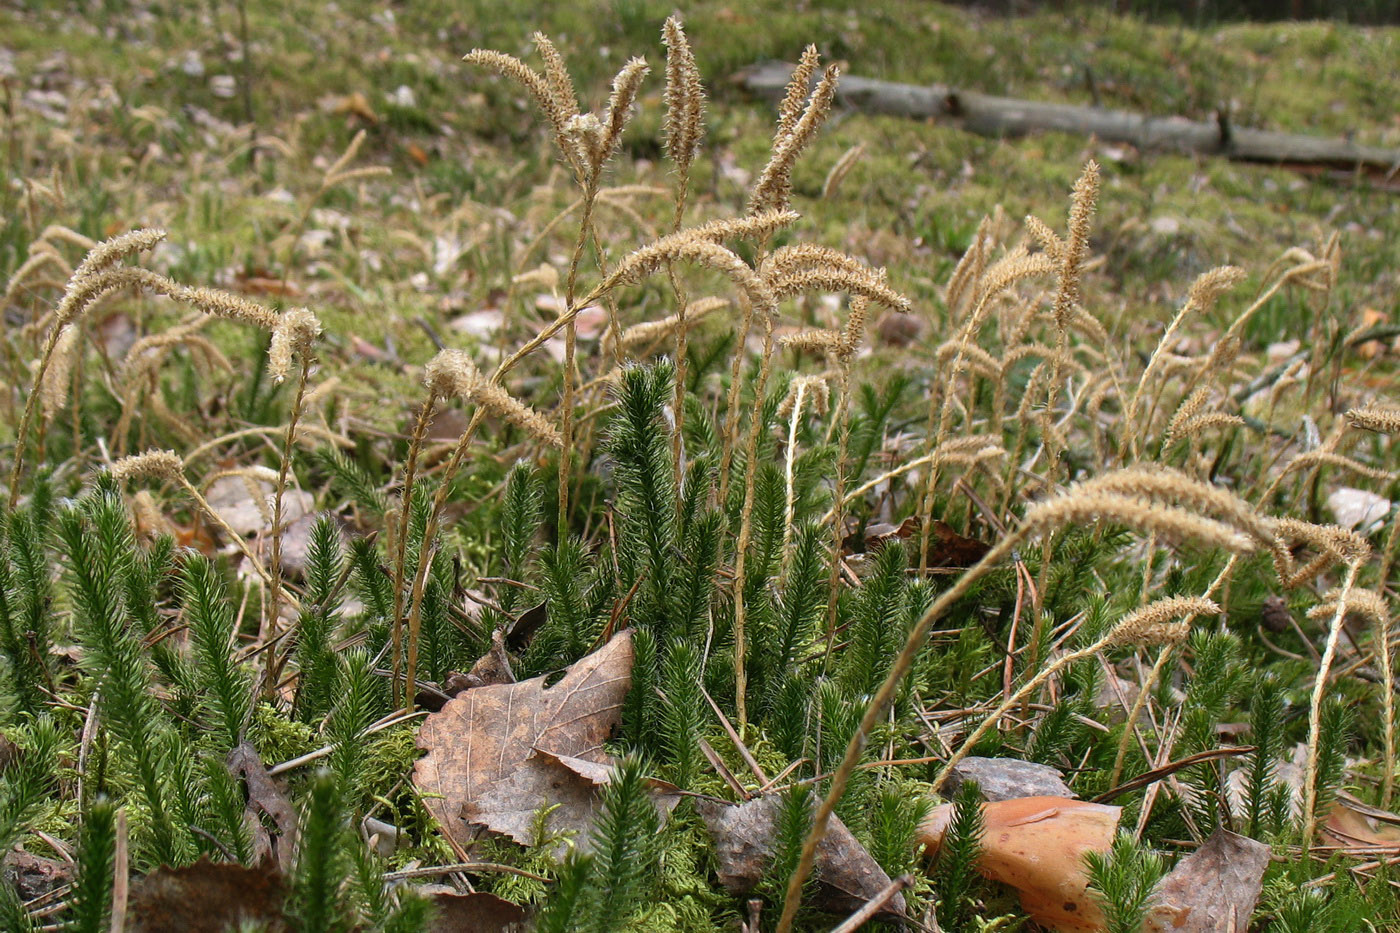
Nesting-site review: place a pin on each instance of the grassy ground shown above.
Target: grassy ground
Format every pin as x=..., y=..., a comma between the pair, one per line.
x=148, y=114
x=125, y=110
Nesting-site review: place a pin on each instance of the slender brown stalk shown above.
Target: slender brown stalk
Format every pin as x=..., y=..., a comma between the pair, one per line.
x=274, y=598
x=410, y=472
x=425, y=557
x=566, y=415
x=746, y=524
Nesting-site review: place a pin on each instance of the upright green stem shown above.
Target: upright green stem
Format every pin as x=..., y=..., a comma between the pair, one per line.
x=425, y=558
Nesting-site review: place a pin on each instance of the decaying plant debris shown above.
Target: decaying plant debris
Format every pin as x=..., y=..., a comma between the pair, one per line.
x=681, y=596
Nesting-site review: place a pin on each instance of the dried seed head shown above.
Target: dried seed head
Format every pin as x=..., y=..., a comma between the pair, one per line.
x=1012, y=268
x=1077, y=507
x=36, y=260
x=1210, y=285
x=813, y=341
x=686, y=246
x=1206, y=421
x=685, y=98
x=451, y=374
x=798, y=89
x=968, y=272
x=809, y=392
x=1325, y=457
x=1189, y=408
x=1076, y=249
x=161, y=464
x=1344, y=545
x=624, y=94
x=639, y=335
x=58, y=378
x=556, y=73
x=774, y=186
x=543, y=275
x=88, y=280
x=841, y=169
x=854, y=334
x=110, y=252
x=531, y=81
x=1333, y=545
x=1360, y=601
x=149, y=520
x=1161, y=485
x=57, y=233
x=1048, y=239
x=866, y=283
x=296, y=330
x=502, y=404
x=1375, y=418
x=1165, y=621
x=965, y=355
x=586, y=138
x=750, y=227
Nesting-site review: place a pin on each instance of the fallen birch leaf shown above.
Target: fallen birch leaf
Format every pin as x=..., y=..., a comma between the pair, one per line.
x=495, y=752
x=1212, y=890
x=1037, y=845
x=847, y=876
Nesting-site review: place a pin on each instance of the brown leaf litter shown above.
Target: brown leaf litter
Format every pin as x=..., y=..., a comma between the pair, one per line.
x=744, y=835
x=499, y=753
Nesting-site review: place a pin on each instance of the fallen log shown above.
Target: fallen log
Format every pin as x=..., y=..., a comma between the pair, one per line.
x=990, y=115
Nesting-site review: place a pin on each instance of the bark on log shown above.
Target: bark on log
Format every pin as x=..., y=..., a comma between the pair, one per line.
x=990, y=115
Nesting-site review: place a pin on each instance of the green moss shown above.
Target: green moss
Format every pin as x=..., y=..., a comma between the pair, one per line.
x=279, y=738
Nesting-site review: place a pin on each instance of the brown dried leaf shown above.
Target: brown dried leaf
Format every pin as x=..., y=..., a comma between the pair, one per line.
x=493, y=667
x=494, y=751
x=264, y=794
x=33, y=875
x=1353, y=824
x=847, y=876
x=207, y=897
x=478, y=912
x=950, y=549
x=1212, y=889
x=1037, y=845
x=1007, y=778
